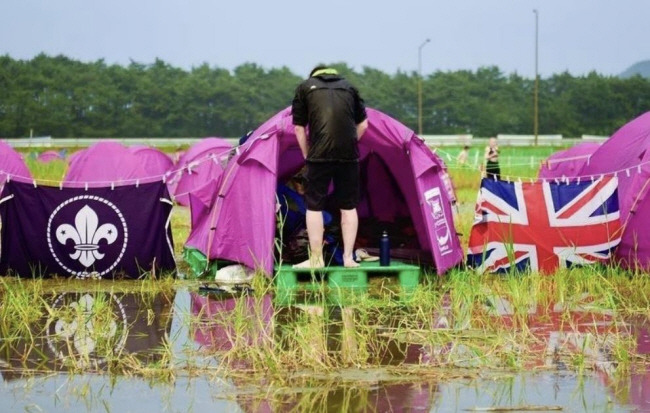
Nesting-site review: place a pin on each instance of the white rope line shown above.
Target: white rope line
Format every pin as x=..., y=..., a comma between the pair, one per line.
x=147, y=179
x=249, y=142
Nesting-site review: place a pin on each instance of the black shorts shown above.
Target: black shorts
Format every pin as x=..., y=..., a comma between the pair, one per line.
x=492, y=170
x=345, y=176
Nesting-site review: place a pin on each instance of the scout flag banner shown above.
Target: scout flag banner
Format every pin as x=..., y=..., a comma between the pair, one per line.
x=119, y=232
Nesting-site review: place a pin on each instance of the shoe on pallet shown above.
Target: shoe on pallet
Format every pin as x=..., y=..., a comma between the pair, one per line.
x=234, y=274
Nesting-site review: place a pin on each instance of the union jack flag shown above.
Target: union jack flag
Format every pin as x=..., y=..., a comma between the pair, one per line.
x=543, y=226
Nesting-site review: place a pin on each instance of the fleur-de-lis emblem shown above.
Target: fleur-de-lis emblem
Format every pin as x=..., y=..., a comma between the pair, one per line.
x=86, y=236
x=82, y=327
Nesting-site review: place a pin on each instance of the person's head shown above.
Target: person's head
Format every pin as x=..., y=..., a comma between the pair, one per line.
x=323, y=70
x=298, y=179
x=493, y=142
x=316, y=69
x=466, y=147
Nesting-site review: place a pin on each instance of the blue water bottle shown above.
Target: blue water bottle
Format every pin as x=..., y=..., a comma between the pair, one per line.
x=384, y=250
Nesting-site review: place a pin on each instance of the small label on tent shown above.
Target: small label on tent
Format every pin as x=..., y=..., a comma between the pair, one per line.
x=440, y=226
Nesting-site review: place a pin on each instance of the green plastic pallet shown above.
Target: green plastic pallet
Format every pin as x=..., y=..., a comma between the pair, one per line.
x=288, y=277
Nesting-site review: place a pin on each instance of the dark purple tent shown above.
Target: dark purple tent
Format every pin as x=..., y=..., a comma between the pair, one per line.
x=402, y=179
x=626, y=154
x=201, y=163
x=12, y=164
x=569, y=162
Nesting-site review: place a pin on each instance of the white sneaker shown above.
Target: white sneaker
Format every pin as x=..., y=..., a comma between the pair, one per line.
x=234, y=274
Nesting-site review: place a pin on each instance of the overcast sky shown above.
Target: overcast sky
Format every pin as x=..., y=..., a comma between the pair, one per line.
x=574, y=35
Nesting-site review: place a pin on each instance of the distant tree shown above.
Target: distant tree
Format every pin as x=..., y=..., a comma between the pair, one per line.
x=59, y=96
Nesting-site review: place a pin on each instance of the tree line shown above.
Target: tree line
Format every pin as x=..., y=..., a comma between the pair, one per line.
x=61, y=97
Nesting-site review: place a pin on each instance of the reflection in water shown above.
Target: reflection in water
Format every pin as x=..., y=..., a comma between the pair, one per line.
x=345, y=397
x=87, y=331
x=544, y=391
x=633, y=387
x=331, y=357
x=223, y=322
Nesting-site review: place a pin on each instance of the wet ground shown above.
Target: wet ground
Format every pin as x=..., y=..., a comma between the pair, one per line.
x=171, y=349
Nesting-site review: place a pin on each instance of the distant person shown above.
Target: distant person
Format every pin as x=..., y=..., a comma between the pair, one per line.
x=245, y=137
x=492, y=169
x=462, y=157
x=336, y=116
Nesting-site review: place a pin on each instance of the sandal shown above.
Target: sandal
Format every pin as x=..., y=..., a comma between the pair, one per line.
x=362, y=255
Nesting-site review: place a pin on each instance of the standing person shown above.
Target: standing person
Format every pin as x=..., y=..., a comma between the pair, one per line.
x=336, y=116
x=492, y=169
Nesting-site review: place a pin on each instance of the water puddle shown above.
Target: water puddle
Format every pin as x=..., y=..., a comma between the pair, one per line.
x=182, y=350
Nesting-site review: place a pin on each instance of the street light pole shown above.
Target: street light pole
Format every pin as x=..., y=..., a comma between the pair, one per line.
x=536, y=93
x=420, y=85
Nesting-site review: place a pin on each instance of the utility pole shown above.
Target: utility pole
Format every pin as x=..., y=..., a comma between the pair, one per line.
x=536, y=93
x=420, y=86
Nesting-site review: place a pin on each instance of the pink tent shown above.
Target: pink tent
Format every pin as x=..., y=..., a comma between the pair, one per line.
x=569, y=162
x=627, y=154
x=49, y=156
x=402, y=179
x=106, y=163
x=155, y=161
x=201, y=163
x=12, y=164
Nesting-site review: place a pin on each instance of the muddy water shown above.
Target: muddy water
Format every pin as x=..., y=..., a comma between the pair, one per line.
x=37, y=374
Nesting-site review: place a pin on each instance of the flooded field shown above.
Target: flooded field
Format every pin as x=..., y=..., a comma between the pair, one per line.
x=573, y=341
x=173, y=346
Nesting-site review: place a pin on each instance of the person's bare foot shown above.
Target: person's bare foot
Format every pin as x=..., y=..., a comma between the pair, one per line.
x=312, y=310
x=348, y=262
x=310, y=263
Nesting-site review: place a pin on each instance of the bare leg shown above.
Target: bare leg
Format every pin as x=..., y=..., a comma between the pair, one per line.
x=315, y=344
x=349, y=225
x=349, y=344
x=315, y=231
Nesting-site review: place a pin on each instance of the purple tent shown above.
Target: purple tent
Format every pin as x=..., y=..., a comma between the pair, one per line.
x=201, y=163
x=569, y=162
x=73, y=155
x=49, y=156
x=155, y=161
x=401, y=177
x=106, y=163
x=12, y=164
x=627, y=155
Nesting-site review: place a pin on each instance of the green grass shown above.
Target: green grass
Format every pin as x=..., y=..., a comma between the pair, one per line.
x=48, y=173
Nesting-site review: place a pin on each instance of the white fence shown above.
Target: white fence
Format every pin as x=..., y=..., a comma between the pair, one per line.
x=509, y=140
x=431, y=140
x=476, y=160
x=527, y=140
x=447, y=140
